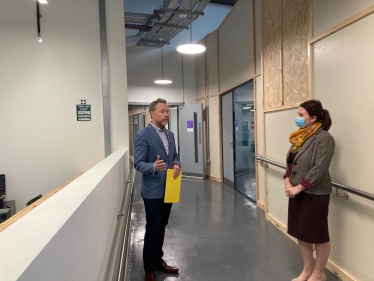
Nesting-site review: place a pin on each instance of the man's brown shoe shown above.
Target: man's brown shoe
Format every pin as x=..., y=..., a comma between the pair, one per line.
x=150, y=276
x=166, y=268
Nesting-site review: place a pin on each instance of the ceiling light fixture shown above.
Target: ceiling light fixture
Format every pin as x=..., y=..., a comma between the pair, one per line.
x=163, y=81
x=191, y=48
x=246, y=107
x=39, y=39
x=252, y=110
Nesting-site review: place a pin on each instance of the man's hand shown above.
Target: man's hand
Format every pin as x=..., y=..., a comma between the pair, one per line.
x=159, y=165
x=177, y=170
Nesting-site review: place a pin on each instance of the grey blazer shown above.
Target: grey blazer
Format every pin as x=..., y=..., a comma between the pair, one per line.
x=311, y=164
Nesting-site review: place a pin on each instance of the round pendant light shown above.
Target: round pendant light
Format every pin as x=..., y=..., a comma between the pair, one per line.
x=191, y=48
x=163, y=81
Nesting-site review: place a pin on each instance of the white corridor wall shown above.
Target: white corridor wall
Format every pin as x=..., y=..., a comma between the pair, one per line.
x=42, y=144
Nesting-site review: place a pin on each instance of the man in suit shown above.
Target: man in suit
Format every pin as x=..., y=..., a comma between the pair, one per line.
x=155, y=152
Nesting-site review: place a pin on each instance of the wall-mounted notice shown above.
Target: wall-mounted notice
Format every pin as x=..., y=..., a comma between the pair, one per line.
x=236, y=124
x=190, y=126
x=83, y=110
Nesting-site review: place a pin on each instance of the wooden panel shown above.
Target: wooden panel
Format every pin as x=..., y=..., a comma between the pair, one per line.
x=236, y=47
x=278, y=126
x=343, y=64
x=344, y=24
x=260, y=138
x=271, y=50
x=212, y=63
x=327, y=14
x=215, y=137
x=295, y=51
x=200, y=73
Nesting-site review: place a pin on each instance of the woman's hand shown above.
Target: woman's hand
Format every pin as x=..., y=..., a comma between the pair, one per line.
x=287, y=186
x=293, y=191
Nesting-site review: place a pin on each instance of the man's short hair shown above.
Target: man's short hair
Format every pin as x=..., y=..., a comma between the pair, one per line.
x=153, y=105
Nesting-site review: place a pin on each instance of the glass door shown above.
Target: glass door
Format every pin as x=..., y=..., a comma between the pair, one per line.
x=244, y=135
x=228, y=142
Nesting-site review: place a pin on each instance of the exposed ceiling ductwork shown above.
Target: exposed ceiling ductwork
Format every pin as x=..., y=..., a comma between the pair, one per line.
x=166, y=22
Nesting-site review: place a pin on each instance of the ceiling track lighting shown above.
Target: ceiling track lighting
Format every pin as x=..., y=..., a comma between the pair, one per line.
x=163, y=81
x=191, y=48
x=38, y=16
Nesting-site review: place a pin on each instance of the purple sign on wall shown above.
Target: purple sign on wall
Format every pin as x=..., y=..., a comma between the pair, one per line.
x=190, y=126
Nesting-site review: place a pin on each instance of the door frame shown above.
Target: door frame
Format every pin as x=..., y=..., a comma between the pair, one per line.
x=234, y=135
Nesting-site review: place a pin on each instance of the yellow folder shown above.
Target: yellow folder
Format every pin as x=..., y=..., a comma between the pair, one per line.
x=173, y=187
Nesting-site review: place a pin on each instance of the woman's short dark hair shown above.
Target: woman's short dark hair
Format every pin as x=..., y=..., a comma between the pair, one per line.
x=314, y=108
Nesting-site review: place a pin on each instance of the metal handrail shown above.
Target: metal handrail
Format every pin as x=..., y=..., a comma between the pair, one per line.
x=125, y=239
x=336, y=185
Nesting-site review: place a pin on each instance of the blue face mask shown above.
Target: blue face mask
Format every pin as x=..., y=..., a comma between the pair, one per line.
x=300, y=122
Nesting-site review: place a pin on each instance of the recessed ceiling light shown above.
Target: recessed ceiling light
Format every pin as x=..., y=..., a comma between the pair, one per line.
x=246, y=107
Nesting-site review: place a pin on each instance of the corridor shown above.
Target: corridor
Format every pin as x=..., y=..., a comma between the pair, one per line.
x=216, y=234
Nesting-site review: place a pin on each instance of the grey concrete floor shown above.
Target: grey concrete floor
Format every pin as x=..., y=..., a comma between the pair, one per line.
x=215, y=233
x=246, y=183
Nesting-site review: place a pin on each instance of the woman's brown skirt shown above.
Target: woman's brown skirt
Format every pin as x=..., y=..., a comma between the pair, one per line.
x=307, y=218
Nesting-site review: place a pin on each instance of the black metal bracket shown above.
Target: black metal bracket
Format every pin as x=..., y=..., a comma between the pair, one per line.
x=38, y=16
x=343, y=195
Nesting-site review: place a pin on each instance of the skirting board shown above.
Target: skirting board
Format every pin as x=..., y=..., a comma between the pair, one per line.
x=344, y=276
x=213, y=178
x=261, y=205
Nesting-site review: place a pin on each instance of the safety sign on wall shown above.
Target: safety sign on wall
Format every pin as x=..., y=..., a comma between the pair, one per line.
x=189, y=126
x=83, y=110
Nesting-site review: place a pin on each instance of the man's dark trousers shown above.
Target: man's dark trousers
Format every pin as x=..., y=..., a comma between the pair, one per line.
x=157, y=216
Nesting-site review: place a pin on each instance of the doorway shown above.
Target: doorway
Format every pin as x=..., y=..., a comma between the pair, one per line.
x=238, y=140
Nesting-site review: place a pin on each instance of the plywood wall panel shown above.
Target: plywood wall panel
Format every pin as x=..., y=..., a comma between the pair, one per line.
x=271, y=48
x=295, y=51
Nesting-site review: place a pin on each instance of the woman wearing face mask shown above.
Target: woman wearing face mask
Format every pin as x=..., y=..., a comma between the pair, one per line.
x=308, y=186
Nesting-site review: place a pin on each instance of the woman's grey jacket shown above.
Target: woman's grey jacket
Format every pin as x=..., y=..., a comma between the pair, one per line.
x=311, y=164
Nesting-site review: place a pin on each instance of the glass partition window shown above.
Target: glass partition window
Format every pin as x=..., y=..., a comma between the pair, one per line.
x=244, y=135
